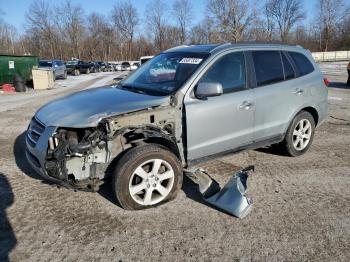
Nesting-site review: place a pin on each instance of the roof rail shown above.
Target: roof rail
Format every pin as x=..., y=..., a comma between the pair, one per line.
x=221, y=46
x=176, y=47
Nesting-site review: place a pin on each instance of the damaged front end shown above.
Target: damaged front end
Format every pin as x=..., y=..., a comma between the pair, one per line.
x=81, y=158
x=78, y=157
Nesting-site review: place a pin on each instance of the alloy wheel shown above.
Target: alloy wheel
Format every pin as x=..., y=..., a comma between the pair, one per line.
x=151, y=182
x=302, y=134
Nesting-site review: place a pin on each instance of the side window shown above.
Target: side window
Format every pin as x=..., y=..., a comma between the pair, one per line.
x=303, y=64
x=288, y=69
x=229, y=71
x=268, y=67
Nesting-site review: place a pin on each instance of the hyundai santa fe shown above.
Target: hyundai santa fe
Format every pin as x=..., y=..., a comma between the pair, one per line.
x=186, y=105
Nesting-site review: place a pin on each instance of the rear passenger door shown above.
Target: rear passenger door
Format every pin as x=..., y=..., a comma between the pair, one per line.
x=277, y=94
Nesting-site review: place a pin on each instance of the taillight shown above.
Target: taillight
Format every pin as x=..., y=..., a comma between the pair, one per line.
x=326, y=82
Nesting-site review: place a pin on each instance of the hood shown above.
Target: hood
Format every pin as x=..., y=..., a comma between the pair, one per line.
x=87, y=108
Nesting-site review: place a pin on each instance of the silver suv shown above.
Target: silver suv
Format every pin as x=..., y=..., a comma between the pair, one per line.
x=186, y=105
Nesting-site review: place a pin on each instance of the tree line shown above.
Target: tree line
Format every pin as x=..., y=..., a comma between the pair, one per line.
x=66, y=31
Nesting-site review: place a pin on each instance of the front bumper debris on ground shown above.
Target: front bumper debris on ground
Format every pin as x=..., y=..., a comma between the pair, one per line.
x=231, y=198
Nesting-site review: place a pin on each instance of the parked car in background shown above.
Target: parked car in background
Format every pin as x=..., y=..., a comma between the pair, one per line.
x=57, y=66
x=186, y=105
x=144, y=59
x=125, y=66
x=134, y=65
x=103, y=66
x=76, y=67
x=95, y=67
x=109, y=67
x=118, y=66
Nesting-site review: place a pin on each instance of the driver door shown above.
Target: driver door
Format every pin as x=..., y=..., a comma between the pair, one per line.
x=222, y=123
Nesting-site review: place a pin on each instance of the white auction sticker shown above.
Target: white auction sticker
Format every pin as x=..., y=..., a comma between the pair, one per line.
x=11, y=64
x=188, y=60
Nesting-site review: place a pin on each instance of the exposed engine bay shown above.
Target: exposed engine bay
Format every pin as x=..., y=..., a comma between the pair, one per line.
x=80, y=157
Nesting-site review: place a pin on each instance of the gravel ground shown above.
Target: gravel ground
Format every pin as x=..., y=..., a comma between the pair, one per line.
x=301, y=205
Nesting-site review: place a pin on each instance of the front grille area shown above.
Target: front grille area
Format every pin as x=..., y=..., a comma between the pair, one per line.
x=35, y=129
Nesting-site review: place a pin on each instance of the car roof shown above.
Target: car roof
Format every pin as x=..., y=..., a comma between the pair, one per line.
x=214, y=48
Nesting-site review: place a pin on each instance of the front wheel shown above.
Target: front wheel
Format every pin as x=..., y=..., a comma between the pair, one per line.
x=300, y=134
x=76, y=72
x=146, y=176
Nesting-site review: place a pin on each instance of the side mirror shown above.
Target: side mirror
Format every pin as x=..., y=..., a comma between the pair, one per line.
x=207, y=89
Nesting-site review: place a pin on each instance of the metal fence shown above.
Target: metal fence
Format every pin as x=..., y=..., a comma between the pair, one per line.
x=331, y=56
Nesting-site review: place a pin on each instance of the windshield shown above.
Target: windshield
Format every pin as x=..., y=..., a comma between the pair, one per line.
x=45, y=63
x=72, y=62
x=165, y=73
x=144, y=60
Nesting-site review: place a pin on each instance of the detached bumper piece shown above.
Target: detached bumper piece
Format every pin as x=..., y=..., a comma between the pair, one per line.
x=231, y=198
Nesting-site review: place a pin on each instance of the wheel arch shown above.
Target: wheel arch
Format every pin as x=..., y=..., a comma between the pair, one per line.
x=131, y=137
x=312, y=111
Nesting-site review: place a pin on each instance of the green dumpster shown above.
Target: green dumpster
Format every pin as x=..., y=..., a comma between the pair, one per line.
x=11, y=65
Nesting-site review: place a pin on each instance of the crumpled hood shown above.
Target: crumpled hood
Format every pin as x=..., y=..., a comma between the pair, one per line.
x=88, y=107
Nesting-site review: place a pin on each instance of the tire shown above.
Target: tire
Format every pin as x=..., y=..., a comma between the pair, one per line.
x=301, y=129
x=144, y=158
x=76, y=72
x=19, y=83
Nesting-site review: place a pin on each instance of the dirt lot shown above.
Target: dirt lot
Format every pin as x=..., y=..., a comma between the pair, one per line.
x=301, y=205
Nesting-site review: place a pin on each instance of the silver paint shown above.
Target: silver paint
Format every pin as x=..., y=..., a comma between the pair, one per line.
x=88, y=107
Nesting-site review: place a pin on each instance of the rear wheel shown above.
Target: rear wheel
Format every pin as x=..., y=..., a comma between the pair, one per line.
x=146, y=176
x=76, y=72
x=300, y=134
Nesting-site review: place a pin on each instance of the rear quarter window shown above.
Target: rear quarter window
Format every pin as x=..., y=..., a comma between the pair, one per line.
x=268, y=67
x=302, y=63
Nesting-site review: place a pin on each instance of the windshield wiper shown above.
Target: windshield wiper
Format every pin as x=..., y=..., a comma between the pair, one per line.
x=133, y=88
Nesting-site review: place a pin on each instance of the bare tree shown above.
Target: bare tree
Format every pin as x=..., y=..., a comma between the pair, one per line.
x=182, y=11
x=126, y=20
x=204, y=32
x=269, y=20
x=231, y=17
x=72, y=26
x=64, y=32
x=101, y=38
x=40, y=22
x=330, y=13
x=8, y=35
x=286, y=13
x=156, y=21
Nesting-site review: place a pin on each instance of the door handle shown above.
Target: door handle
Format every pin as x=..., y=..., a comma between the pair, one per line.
x=245, y=105
x=298, y=91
